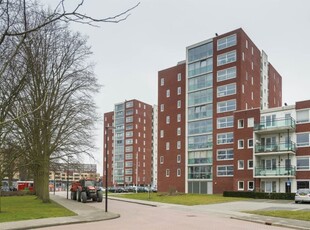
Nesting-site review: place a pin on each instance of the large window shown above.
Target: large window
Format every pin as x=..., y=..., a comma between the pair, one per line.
x=302, y=116
x=225, y=106
x=225, y=138
x=200, y=142
x=200, y=157
x=200, y=172
x=199, y=52
x=226, y=90
x=226, y=42
x=225, y=170
x=226, y=58
x=200, y=82
x=225, y=122
x=200, y=67
x=200, y=97
x=225, y=154
x=226, y=74
x=199, y=112
x=197, y=127
x=303, y=139
x=303, y=163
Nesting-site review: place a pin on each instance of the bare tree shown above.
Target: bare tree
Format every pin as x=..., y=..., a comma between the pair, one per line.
x=17, y=32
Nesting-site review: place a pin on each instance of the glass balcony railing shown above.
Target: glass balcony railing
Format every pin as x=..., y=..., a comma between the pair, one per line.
x=281, y=147
x=275, y=171
x=200, y=161
x=200, y=176
x=276, y=123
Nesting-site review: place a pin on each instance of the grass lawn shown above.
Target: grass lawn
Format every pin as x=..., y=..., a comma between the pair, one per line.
x=297, y=215
x=14, y=208
x=184, y=199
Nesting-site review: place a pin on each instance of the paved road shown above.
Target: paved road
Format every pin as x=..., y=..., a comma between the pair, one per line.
x=165, y=216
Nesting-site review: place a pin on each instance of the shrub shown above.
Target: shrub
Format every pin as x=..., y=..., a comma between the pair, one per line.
x=260, y=195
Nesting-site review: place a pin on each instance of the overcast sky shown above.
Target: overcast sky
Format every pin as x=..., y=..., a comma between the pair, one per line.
x=128, y=55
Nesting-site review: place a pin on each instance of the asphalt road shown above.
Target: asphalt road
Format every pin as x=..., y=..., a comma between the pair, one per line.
x=166, y=216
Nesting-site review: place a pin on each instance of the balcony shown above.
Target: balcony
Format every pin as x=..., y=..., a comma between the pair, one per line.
x=200, y=175
x=275, y=125
x=275, y=172
x=276, y=148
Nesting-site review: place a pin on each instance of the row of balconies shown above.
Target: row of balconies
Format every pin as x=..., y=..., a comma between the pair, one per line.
x=276, y=171
x=278, y=147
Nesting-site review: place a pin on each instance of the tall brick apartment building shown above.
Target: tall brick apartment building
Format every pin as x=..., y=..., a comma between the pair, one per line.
x=129, y=141
x=197, y=103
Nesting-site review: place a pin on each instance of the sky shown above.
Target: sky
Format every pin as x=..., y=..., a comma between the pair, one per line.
x=129, y=54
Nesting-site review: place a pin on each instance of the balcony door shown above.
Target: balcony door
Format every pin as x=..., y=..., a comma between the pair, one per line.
x=269, y=164
x=269, y=143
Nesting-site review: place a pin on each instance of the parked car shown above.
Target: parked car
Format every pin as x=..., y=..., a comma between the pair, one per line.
x=302, y=195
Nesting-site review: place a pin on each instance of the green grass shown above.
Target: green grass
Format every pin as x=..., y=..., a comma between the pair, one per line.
x=183, y=199
x=14, y=208
x=297, y=215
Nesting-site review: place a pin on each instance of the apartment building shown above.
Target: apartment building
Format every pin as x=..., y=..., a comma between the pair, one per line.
x=171, y=128
x=128, y=144
x=223, y=74
x=273, y=149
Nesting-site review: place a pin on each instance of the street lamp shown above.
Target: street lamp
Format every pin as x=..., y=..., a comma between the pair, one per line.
x=106, y=166
x=68, y=176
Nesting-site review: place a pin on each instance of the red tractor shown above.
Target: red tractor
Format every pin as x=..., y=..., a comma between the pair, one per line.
x=86, y=189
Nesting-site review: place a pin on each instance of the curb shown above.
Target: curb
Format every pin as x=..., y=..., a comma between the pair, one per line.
x=131, y=201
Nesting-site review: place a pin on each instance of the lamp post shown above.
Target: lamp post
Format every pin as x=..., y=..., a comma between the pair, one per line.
x=68, y=176
x=106, y=166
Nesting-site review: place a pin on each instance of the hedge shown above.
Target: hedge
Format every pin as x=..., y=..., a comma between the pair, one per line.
x=260, y=195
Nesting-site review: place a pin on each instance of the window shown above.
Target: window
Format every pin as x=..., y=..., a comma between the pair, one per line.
x=161, y=133
x=179, y=117
x=250, y=143
x=202, y=51
x=128, y=156
x=226, y=74
x=226, y=42
x=128, y=171
x=200, y=97
x=250, y=164
x=129, y=141
x=162, y=108
x=240, y=185
x=251, y=122
x=129, y=134
x=179, y=76
x=269, y=186
x=200, y=111
x=162, y=81
x=168, y=93
x=128, y=164
x=167, y=145
x=161, y=160
x=179, y=91
x=179, y=104
x=225, y=138
x=225, y=154
x=129, y=112
x=303, y=139
x=225, y=122
x=178, y=131
x=226, y=90
x=167, y=172
x=178, y=172
x=240, y=123
x=225, y=106
x=129, y=104
x=240, y=144
x=178, y=144
x=250, y=185
x=200, y=127
x=240, y=164
x=246, y=43
x=178, y=158
x=302, y=116
x=129, y=119
x=200, y=82
x=226, y=58
x=225, y=170
x=200, y=67
x=167, y=119
x=303, y=163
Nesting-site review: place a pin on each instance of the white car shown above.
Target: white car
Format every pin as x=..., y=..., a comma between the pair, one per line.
x=302, y=195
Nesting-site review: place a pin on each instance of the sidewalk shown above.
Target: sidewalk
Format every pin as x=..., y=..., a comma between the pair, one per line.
x=84, y=213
